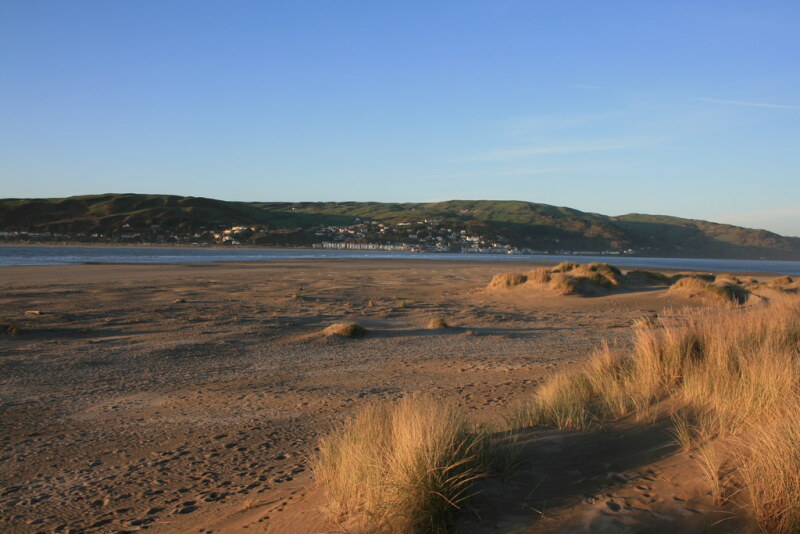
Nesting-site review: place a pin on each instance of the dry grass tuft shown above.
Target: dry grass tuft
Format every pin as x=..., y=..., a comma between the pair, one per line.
x=593, y=279
x=734, y=373
x=607, y=271
x=782, y=281
x=566, y=278
x=437, y=323
x=708, y=277
x=683, y=430
x=710, y=462
x=650, y=276
x=725, y=278
x=590, y=279
x=403, y=467
x=564, y=284
x=506, y=280
x=538, y=276
x=564, y=267
x=785, y=283
x=583, y=399
x=351, y=330
x=770, y=469
x=700, y=288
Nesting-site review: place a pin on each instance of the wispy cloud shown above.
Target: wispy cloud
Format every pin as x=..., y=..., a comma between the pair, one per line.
x=516, y=153
x=747, y=104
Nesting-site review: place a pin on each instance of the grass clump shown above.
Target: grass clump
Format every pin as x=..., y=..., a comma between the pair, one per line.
x=574, y=279
x=437, y=323
x=710, y=462
x=584, y=279
x=725, y=293
x=538, y=276
x=650, y=276
x=708, y=277
x=782, y=281
x=404, y=467
x=564, y=267
x=604, y=270
x=683, y=430
x=564, y=284
x=725, y=278
x=725, y=361
x=506, y=280
x=731, y=377
x=580, y=400
x=770, y=469
x=566, y=278
x=593, y=279
x=787, y=284
x=350, y=330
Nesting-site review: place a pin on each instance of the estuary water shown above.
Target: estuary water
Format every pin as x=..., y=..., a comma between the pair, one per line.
x=12, y=255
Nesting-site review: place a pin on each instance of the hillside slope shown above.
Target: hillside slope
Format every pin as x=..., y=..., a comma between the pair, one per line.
x=521, y=224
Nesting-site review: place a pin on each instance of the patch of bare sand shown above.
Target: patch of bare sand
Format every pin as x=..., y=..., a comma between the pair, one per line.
x=165, y=397
x=628, y=477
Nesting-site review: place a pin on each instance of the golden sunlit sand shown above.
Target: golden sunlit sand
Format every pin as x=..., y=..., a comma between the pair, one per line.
x=192, y=398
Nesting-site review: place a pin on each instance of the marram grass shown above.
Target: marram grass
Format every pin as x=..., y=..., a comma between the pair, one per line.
x=730, y=376
x=734, y=375
x=402, y=467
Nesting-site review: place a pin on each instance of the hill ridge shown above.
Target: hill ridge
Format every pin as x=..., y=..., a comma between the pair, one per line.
x=489, y=224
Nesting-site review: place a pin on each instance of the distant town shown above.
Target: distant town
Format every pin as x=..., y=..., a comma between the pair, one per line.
x=427, y=235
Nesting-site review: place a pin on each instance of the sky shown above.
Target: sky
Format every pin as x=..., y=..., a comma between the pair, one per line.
x=685, y=108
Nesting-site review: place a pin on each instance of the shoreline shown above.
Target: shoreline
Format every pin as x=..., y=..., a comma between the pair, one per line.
x=155, y=273
x=366, y=251
x=192, y=255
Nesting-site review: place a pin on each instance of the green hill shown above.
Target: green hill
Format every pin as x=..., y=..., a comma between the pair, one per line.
x=164, y=218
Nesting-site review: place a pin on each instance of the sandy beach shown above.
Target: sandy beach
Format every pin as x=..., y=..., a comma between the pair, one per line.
x=189, y=398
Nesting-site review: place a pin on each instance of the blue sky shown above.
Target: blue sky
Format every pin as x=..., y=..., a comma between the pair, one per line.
x=684, y=108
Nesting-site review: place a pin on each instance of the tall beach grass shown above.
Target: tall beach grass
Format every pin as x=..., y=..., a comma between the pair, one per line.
x=402, y=467
x=730, y=376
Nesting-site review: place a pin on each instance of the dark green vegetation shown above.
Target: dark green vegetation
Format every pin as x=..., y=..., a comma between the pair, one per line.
x=539, y=227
